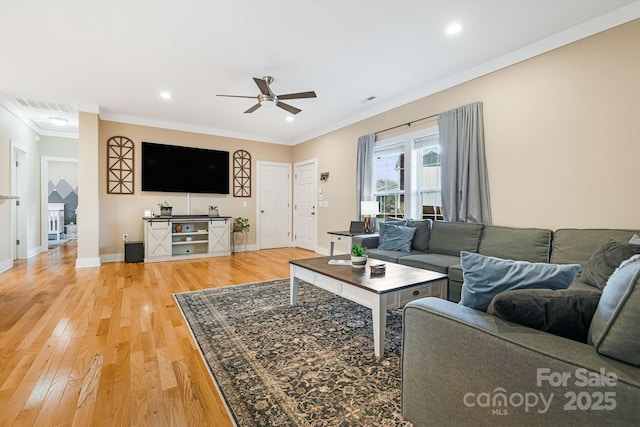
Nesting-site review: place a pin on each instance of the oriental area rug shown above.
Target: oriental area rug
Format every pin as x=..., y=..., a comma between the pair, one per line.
x=306, y=365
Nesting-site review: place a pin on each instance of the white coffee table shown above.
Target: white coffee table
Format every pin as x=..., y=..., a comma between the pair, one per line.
x=399, y=285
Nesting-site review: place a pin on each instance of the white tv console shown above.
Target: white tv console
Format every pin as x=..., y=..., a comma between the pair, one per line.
x=186, y=236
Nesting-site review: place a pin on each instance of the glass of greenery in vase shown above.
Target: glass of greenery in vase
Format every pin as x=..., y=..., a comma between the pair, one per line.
x=241, y=227
x=213, y=211
x=165, y=208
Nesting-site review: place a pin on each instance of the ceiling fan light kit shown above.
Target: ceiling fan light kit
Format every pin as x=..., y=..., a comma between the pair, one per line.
x=267, y=98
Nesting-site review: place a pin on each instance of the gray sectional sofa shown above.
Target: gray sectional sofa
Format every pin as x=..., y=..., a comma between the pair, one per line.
x=437, y=245
x=462, y=366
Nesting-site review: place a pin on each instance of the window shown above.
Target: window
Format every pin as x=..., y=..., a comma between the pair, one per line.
x=389, y=180
x=407, y=175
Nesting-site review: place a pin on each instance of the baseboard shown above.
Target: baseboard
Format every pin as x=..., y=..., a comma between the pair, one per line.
x=35, y=251
x=5, y=265
x=118, y=257
x=87, y=262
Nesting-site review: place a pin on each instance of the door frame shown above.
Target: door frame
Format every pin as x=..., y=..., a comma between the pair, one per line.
x=259, y=165
x=314, y=162
x=44, y=195
x=19, y=226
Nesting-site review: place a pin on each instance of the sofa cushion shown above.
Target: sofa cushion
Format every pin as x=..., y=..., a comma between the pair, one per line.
x=566, y=313
x=455, y=273
x=523, y=244
x=420, y=241
x=485, y=277
x=575, y=246
x=389, y=256
x=433, y=262
x=450, y=238
x=614, y=329
x=397, y=238
x=604, y=261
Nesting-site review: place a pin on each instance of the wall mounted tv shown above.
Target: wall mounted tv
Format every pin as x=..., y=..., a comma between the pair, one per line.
x=172, y=168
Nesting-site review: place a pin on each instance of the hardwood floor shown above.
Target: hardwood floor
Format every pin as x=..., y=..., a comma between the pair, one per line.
x=107, y=346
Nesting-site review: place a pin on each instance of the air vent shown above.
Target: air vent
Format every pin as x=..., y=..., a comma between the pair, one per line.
x=369, y=99
x=41, y=105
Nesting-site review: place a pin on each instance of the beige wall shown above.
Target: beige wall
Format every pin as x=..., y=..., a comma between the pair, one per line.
x=89, y=209
x=561, y=133
x=123, y=213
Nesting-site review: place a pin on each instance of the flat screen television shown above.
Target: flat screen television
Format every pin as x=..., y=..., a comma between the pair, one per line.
x=173, y=168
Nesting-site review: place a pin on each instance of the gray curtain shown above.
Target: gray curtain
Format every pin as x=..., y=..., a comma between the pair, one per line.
x=364, y=170
x=465, y=186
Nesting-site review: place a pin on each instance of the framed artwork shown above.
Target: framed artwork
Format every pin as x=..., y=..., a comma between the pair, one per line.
x=241, y=174
x=120, y=156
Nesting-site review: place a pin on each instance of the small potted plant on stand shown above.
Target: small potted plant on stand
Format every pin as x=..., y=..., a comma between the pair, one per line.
x=240, y=228
x=213, y=211
x=165, y=208
x=358, y=256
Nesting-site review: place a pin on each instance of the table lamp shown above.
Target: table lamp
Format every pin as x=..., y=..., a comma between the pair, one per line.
x=368, y=209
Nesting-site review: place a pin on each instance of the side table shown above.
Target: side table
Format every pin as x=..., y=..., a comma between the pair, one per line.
x=340, y=236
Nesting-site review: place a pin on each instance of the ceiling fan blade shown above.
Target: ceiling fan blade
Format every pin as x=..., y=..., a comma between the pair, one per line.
x=263, y=86
x=299, y=95
x=254, y=108
x=289, y=108
x=237, y=96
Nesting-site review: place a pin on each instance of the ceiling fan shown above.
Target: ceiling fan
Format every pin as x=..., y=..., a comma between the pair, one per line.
x=268, y=98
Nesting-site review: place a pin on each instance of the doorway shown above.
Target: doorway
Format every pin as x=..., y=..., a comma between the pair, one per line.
x=305, y=203
x=273, y=205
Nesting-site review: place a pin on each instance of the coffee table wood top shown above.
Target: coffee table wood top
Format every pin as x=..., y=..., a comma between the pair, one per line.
x=396, y=276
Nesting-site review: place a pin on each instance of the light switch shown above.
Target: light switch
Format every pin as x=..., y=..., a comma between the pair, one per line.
x=326, y=203
x=244, y=204
x=320, y=197
x=319, y=190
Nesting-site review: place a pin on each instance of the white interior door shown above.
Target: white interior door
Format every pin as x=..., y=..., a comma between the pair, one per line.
x=274, y=205
x=19, y=187
x=305, y=204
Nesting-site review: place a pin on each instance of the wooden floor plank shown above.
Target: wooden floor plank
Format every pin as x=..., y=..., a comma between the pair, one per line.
x=108, y=345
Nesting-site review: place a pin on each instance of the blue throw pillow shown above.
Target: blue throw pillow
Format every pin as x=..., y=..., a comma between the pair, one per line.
x=397, y=238
x=486, y=276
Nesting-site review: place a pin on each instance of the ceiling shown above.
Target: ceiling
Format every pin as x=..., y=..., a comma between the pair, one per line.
x=115, y=57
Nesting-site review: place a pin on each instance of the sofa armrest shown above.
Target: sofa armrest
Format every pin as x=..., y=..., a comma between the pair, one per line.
x=465, y=367
x=366, y=241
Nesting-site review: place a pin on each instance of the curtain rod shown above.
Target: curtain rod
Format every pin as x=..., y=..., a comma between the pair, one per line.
x=406, y=124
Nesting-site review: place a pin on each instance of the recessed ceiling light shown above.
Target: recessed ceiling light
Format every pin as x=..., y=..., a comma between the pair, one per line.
x=454, y=28
x=289, y=118
x=58, y=121
x=166, y=95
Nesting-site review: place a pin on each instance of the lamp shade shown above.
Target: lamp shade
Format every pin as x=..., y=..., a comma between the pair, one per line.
x=369, y=208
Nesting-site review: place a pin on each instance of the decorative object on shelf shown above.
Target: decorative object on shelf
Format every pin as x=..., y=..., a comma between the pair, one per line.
x=241, y=174
x=377, y=269
x=165, y=208
x=358, y=256
x=368, y=209
x=179, y=228
x=120, y=156
x=241, y=228
x=213, y=211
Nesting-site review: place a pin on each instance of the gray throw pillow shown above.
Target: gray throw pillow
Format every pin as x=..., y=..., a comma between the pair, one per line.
x=614, y=329
x=566, y=313
x=420, y=241
x=382, y=226
x=486, y=276
x=397, y=238
x=601, y=265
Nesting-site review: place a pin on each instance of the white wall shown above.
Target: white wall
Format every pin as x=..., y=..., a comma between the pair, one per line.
x=15, y=131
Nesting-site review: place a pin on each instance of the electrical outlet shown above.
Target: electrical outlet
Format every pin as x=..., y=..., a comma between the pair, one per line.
x=125, y=236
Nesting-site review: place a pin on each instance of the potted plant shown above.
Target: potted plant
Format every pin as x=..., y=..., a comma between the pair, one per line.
x=165, y=208
x=241, y=224
x=213, y=211
x=358, y=256
x=240, y=229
